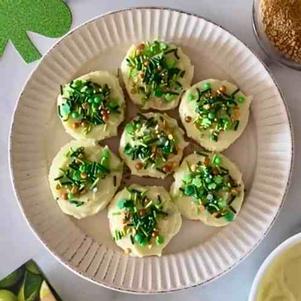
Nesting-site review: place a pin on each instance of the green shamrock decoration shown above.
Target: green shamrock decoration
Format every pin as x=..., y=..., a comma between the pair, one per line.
x=51, y=18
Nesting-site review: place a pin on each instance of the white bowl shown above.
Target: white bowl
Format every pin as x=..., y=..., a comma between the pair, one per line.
x=292, y=241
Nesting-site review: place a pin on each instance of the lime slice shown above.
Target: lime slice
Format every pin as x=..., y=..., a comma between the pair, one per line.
x=11, y=279
x=21, y=293
x=30, y=288
x=45, y=293
x=32, y=267
x=6, y=295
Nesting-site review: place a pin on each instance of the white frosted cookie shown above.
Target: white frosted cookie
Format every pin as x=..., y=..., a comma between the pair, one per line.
x=155, y=74
x=214, y=113
x=143, y=220
x=208, y=187
x=84, y=177
x=92, y=106
x=152, y=145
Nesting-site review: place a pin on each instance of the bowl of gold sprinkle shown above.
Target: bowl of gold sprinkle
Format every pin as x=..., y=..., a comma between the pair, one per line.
x=277, y=26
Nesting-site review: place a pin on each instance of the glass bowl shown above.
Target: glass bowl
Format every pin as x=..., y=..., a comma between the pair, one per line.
x=265, y=43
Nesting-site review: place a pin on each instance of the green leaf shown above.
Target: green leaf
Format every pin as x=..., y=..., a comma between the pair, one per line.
x=51, y=18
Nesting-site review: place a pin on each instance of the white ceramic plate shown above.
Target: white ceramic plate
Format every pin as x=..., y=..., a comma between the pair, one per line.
x=198, y=253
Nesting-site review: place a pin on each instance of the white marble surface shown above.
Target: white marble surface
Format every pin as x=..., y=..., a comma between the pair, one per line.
x=17, y=243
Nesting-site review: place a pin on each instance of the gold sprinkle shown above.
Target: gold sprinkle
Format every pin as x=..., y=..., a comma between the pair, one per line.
x=127, y=251
x=75, y=125
x=281, y=20
x=188, y=119
x=83, y=175
x=222, y=89
x=138, y=165
x=193, y=167
x=64, y=195
x=74, y=190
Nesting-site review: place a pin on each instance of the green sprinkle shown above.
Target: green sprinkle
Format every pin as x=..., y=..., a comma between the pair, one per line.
x=214, y=137
x=84, y=89
x=218, y=179
x=236, y=124
x=158, y=92
x=227, y=124
x=222, y=203
x=141, y=215
x=192, y=96
x=211, y=115
x=215, y=111
x=206, y=86
x=140, y=239
x=118, y=235
x=75, y=115
x=229, y=216
x=212, y=186
x=197, y=182
x=189, y=190
x=156, y=65
x=216, y=160
x=171, y=62
x=82, y=101
x=65, y=109
x=163, y=46
x=208, y=180
x=206, y=122
x=114, y=105
x=187, y=178
x=130, y=128
x=76, y=203
x=124, y=203
x=240, y=98
x=80, y=174
x=169, y=97
x=150, y=142
x=82, y=168
x=105, y=158
x=97, y=100
x=159, y=240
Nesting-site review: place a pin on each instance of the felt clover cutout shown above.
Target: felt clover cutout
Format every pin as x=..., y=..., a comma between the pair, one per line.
x=51, y=18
